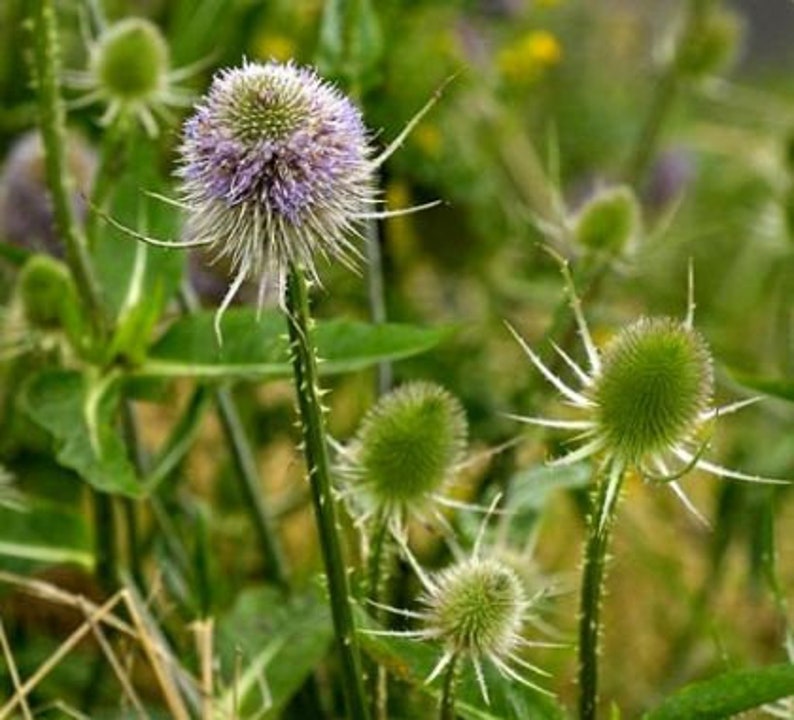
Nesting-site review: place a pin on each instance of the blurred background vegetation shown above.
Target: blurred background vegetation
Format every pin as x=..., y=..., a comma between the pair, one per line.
x=550, y=103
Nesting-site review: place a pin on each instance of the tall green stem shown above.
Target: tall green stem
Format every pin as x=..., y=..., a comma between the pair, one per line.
x=53, y=132
x=595, y=557
x=304, y=363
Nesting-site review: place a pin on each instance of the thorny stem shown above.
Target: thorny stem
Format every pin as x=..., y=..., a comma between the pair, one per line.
x=53, y=132
x=448, y=691
x=245, y=463
x=595, y=558
x=315, y=448
x=665, y=93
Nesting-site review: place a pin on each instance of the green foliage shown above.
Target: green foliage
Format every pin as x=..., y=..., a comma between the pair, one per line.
x=274, y=644
x=78, y=410
x=256, y=347
x=727, y=694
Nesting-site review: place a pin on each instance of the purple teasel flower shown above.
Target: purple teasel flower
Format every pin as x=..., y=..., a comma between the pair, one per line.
x=276, y=169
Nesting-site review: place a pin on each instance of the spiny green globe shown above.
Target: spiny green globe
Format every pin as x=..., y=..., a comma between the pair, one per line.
x=477, y=607
x=410, y=442
x=130, y=60
x=656, y=380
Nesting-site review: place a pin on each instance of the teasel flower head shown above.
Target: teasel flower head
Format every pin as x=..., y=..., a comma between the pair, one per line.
x=129, y=72
x=477, y=608
x=276, y=170
x=645, y=401
x=408, y=448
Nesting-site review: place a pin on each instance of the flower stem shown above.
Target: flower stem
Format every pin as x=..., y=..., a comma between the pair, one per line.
x=448, y=691
x=315, y=449
x=595, y=557
x=53, y=132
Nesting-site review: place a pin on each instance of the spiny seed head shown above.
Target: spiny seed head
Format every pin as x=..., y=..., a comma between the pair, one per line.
x=409, y=443
x=656, y=380
x=477, y=607
x=608, y=221
x=130, y=60
x=276, y=170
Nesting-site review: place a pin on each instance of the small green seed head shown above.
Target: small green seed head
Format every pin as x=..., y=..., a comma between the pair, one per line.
x=46, y=290
x=477, y=607
x=712, y=49
x=656, y=380
x=608, y=221
x=409, y=443
x=130, y=61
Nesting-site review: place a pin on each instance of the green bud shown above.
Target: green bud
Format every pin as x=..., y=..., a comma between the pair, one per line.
x=608, y=221
x=409, y=443
x=656, y=381
x=130, y=60
x=712, y=48
x=47, y=292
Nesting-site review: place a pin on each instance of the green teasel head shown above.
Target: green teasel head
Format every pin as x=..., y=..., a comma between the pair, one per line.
x=477, y=607
x=130, y=60
x=47, y=293
x=608, y=221
x=409, y=444
x=654, y=385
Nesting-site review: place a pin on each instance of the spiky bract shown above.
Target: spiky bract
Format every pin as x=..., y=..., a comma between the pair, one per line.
x=655, y=382
x=476, y=607
x=409, y=444
x=275, y=170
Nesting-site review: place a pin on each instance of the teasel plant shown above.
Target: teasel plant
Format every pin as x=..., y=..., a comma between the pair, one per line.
x=277, y=172
x=645, y=405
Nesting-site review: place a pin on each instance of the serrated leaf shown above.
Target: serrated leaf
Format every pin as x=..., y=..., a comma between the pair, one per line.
x=412, y=662
x=258, y=348
x=279, y=643
x=726, y=695
x=78, y=411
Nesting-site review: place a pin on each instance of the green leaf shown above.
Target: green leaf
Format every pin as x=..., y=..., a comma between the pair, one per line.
x=412, y=662
x=130, y=276
x=258, y=349
x=726, y=695
x=44, y=533
x=279, y=641
x=350, y=47
x=781, y=388
x=79, y=413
